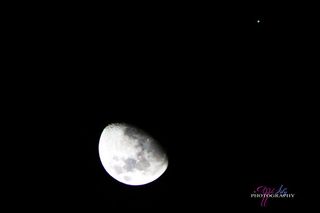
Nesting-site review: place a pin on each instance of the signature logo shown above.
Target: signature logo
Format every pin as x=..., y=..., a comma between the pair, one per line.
x=266, y=193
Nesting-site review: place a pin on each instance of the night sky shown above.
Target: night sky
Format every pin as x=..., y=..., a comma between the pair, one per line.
x=223, y=87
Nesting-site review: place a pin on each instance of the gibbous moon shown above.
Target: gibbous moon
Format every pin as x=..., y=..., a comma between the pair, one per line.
x=130, y=155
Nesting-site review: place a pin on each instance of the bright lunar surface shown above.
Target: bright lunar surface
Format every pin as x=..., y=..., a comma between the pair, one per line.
x=130, y=155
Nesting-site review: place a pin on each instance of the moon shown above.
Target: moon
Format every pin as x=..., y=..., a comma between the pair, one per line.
x=130, y=155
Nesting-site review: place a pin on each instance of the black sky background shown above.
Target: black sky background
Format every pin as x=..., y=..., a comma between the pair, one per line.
x=232, y=101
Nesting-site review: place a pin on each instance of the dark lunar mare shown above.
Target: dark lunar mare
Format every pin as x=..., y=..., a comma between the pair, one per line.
x=147, y=145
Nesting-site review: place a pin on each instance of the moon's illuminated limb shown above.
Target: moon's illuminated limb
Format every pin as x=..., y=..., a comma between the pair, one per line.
x=131, y=156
